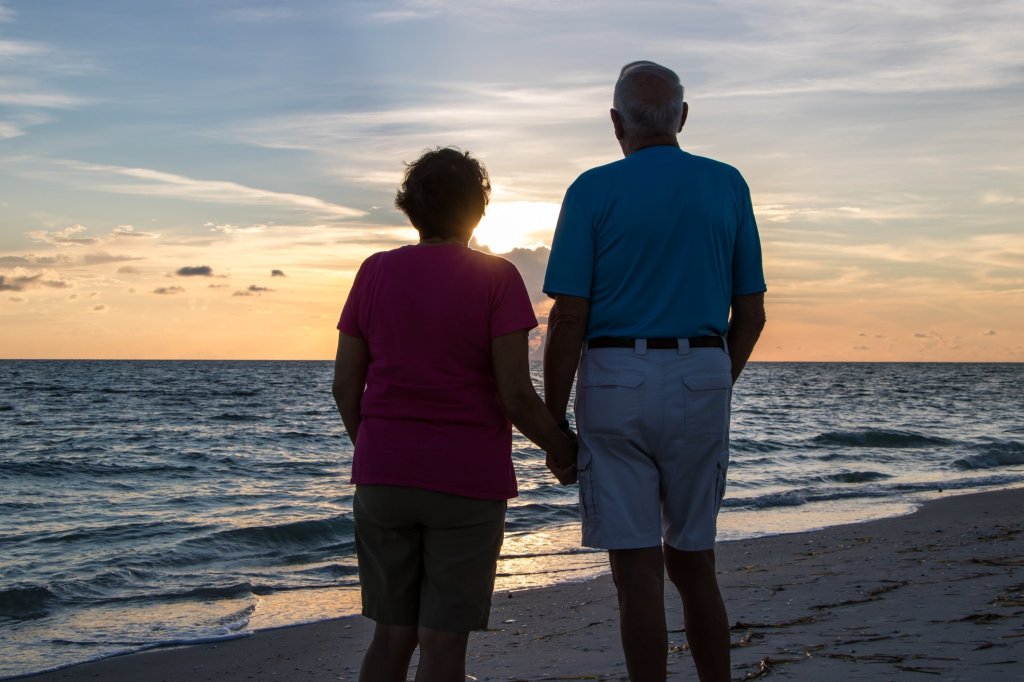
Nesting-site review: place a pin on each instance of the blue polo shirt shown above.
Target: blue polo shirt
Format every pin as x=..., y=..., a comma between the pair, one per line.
x=660, y=242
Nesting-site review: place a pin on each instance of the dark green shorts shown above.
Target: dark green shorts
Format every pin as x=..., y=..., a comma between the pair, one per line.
x=427, y=558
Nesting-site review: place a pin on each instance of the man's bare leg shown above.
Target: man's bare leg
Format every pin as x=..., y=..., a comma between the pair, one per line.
x=639, y=576
x=387, y=658
x=707, y=625
x=442, y=656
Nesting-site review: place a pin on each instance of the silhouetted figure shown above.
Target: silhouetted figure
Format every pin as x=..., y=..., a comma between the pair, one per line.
x=433, y=362
x=650, y=254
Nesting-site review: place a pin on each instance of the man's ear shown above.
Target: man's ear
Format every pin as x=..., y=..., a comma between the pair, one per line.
x=620, y=132
x=682, y=119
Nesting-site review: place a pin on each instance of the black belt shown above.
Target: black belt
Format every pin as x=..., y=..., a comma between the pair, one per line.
x=655, y=344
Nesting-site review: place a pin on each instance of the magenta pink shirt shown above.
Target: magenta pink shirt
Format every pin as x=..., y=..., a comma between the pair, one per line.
x=431, y=415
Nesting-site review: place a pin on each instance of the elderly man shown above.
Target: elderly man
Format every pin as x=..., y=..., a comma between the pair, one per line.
x=650, y=255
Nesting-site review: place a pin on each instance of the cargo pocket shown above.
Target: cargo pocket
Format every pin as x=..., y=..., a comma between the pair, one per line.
x=720, y=473
x=584, y=478
x=610, y=403
x=706, y=405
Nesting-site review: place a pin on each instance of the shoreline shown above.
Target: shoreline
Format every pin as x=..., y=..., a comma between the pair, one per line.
x=939, y=591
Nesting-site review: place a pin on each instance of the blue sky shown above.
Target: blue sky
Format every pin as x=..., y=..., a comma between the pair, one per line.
x=881, y=142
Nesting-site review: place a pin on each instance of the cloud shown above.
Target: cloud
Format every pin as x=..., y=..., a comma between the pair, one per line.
x=1002, y=199
x=101, y=258
x=102, y=308
x=253, y=290
x=154, y=183
x=919, y=335
x=236, y=229
x=259, y=15
x=277, y=273
x=22, y=282
x=16, y=299
x=64, y=237
x=219, y=286
x=168, y=290
x=128, y=270
x=990, y=332
x=531, y=264
x=129, y=231
x=195, y=271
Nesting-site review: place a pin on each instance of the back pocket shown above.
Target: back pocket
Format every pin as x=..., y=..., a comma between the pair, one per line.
x=706, y=405
x=610, y=403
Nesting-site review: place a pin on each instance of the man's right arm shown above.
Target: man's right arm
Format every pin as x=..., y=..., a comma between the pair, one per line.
x=567, y=325
x=745, y=325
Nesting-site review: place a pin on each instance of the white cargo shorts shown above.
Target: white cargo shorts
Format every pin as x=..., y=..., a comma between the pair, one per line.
x=653, y=445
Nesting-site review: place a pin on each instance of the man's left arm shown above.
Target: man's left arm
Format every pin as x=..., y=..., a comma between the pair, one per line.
x=745, y=325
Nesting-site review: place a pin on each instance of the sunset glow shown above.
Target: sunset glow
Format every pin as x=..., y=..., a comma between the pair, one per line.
x=203, y=180
x=517, y=224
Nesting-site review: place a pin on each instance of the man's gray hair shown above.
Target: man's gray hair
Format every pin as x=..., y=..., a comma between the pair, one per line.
x=649, y=99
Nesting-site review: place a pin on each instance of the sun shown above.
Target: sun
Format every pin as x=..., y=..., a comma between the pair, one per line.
x=517, y=224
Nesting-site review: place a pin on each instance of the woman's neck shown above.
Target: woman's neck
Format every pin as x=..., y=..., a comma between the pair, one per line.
x=436, y=241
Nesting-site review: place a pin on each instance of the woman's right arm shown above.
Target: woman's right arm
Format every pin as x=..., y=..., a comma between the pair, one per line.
x=510, y=354
x=350, y=366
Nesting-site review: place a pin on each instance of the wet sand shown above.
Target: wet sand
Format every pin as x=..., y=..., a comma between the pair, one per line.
x=939, y=593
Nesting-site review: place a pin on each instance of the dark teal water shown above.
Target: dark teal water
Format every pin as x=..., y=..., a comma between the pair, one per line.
x=151, y=502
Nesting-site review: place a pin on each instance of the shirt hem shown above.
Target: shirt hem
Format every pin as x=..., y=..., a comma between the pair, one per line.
x=451, y=490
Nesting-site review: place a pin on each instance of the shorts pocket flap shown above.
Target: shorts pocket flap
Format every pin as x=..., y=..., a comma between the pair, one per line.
x=623, y=379
x=707, y=382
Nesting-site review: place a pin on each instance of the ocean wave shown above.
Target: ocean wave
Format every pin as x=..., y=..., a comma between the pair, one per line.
x=562, y=552
x=788, y=498
x=286, y=538
x=746, y=445
x=117, y=532
x=25, y=602
x=855, y=477
x=52, y=468
x=539, y=514
x=6, y=408
x=878, y=438
x=235, y=417
x=994, y=455
x=797, y=498
x=298, y=434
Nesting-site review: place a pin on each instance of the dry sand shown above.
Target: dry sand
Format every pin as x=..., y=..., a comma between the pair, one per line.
x=939, y=593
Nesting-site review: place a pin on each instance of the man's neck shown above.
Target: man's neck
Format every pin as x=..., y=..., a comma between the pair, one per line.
x=631, y=146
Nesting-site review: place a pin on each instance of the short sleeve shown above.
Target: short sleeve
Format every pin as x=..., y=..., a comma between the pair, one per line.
x=353, y=320
x=571, y=265
x=511, y=309
x=747, y=270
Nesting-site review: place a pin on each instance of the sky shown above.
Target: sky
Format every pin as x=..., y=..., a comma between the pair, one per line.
x=195, y=179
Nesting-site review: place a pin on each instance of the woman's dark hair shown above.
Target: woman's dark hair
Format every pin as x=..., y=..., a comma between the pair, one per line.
x=444, y=193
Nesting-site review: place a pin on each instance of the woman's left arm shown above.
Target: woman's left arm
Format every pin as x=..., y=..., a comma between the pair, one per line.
x=510, y=357
x=350, y=366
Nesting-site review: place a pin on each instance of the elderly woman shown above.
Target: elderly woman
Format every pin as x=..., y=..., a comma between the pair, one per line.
x=432, y=365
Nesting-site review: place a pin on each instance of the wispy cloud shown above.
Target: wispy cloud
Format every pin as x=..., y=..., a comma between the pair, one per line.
x=22, y=282
x=154, y=183
x=1002, y=199
x=259, y=15
x=64, y=237
x=64, y=260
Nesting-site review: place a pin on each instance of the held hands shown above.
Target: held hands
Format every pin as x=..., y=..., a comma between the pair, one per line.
x=564, y=468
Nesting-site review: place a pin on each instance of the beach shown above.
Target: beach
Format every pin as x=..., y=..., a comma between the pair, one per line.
x=939, y=592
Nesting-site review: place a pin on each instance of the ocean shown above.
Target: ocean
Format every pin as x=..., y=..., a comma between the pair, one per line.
x=149, y=503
